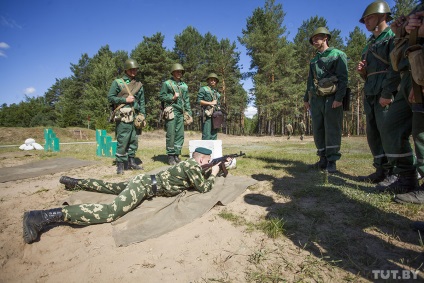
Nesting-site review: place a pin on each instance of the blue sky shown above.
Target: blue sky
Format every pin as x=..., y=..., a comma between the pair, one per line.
x=40, y=39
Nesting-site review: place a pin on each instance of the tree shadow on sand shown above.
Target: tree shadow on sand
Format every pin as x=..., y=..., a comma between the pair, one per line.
x=340, y=225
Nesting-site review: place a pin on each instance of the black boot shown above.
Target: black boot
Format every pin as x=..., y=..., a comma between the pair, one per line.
x=177, y=159
x=132, y=165
x=35, y=220
x=405, y=183
x=171, y=160
x=120, y=168
x=321, y=164
x=71, y=184
x=331, y=167
x=378, y=176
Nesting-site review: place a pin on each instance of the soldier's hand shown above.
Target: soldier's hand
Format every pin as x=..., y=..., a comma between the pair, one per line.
x=416, y=21
x=213, y=102
x=385, y=101
x=215, y=169
x=361, y=68
x=336, y=104
x=130, y=99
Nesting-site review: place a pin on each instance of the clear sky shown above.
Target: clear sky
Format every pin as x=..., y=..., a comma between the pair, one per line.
x=39, y=39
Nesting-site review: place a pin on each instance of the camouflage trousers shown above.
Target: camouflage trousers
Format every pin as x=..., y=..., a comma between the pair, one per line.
x=129, y=195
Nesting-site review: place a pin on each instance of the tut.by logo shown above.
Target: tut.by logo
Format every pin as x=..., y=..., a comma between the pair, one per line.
x=395, y=274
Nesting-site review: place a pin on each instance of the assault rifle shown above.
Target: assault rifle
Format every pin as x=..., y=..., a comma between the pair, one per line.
x=222, y=159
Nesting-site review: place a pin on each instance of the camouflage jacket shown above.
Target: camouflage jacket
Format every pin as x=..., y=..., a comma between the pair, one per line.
x=185, y=175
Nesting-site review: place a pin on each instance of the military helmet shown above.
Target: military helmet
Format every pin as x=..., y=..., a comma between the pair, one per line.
x=213, y=75
x=130, y=64
x=177, y=67
x=320, y=30
x=377, y=7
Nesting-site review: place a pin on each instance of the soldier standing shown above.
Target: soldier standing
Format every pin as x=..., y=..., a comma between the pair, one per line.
x=210, y=100
x=289, y=129
x=326, y=87
x=170, y=182
x=127, y=97
x=375, y=69
x=174, y=97
x=302, y=129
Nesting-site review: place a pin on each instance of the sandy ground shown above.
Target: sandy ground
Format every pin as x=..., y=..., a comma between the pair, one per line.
x=210, y=249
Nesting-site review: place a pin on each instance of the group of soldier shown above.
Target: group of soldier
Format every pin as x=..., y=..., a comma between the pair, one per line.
x=392, y=100
x=290, y=130
x=126, y=95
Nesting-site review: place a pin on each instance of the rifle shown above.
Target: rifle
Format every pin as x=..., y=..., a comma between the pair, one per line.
x=222, y=159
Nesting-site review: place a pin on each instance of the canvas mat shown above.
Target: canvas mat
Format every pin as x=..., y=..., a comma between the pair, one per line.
x=160, y=215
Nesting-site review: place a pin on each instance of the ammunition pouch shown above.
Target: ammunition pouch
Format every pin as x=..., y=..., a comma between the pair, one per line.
x=217, y=119
x=208, y=110
x=140, y=121
x=168, y=113
x=415, y=55
x=125, y=115
x=326, y=86
x=187, y=118
x=397, y=52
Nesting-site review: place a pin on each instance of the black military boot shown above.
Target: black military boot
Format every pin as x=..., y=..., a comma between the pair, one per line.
x=378, y=176
x=171, y=160
x=405, y=183
x=331, y=167
x=177, y=158
x=120, y=168
x=132, y=165
x=71, y=184
x=35, y=220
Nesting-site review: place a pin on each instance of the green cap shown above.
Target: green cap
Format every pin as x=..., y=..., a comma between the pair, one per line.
x=203, y=150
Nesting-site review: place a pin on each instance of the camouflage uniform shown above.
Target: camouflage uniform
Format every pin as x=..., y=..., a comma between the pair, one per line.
x=170, y=182
x=289, y=129
x=302, y=129
x=208, y=94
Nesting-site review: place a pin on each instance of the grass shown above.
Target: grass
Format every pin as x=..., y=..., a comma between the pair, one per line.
x=341, y=228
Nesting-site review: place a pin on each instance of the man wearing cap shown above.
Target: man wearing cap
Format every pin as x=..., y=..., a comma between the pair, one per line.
x=127, y=97
x=326, y=87
x=175, y=98
x=185, y=175
x=389, y=117
x=210, y=100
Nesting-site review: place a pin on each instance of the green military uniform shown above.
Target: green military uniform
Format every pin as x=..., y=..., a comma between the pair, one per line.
x=327, y=121
x=206, y=93
x=302, y=129
x=185, y=175
x=380, y=81
x=289, y=129
x=126, y=134
x=175, y=127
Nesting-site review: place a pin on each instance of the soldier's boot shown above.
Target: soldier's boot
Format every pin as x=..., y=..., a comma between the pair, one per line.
x=177, y=158
x=34, y=221
x=416, y=197
x=71, y=184
x=321, y=164
x=331, y=167
x=378, y=176
x=301, y=138
x=417, y=226
x=405, y=183
x=120, y=168
x=132, y=165
x=171, y=160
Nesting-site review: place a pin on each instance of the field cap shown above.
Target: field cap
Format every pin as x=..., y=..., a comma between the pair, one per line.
x=203, y=150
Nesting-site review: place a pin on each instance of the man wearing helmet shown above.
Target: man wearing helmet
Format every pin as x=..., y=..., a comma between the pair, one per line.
x=175, y=98
x=326, y=87
x=210, y=100
x=388, y=115
x=127, y=97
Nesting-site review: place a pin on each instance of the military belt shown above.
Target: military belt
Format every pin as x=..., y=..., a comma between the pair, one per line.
x=154, y=184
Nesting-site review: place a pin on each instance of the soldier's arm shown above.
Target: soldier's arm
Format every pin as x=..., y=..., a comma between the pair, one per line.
x=141, y=101
x=166, y=94
x=113, y=97
x=342, y=76
x=392, y=80
x=198, y=180
x=187, y=105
